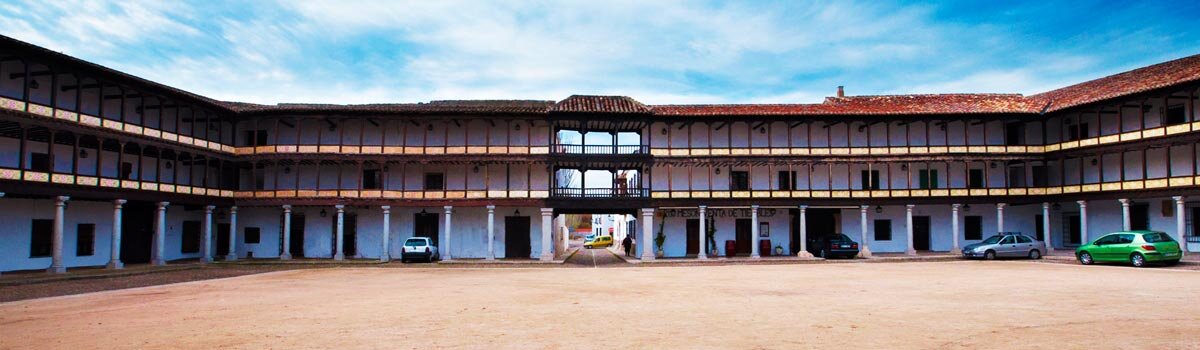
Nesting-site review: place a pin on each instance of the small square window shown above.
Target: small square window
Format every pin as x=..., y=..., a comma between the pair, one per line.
x=883, y=230
x=435, y=181
x=85, y=240
x=252, y=234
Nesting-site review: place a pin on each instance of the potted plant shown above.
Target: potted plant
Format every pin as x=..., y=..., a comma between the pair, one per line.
x=711, y=238
x=778, y=250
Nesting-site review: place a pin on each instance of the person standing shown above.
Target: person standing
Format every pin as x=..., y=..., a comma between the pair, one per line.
x=626, y=243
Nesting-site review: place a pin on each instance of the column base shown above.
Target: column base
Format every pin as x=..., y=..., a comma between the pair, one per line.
x=205, y=260
x=804, y=254
x=159, y=262
x=115, y=265
x=864, y=253
x=384, y=259
x=231, y=257
x=57, y=269
x=285, y=256
x=955, y=251
x=339, y=257
x=647, y=257
x=702, y=257
x=755, y=256
x=910, y=252
x=490, y=258
x=546, y=257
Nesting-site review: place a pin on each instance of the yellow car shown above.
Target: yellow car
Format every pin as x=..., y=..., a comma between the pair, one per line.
x=599, y=242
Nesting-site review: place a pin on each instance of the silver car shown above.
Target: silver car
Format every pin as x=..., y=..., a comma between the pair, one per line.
x=1006, y=245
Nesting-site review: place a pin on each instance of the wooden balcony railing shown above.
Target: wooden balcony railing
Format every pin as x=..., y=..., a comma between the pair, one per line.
x=600, y=193
x=601, y=149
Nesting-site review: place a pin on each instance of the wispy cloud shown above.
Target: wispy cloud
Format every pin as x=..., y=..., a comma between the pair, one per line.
x=359, y=51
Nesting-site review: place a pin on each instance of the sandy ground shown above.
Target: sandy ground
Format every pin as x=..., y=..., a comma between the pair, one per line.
x=1001, y=305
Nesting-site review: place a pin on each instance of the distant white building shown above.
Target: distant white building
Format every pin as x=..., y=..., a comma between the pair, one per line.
x=102, y=168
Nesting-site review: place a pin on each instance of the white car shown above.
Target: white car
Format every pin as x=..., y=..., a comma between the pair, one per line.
x=419, y=248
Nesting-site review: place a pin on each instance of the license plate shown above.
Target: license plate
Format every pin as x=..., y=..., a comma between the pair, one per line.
x=844, y=246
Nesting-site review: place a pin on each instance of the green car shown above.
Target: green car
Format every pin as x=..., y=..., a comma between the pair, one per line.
x=1136, y=247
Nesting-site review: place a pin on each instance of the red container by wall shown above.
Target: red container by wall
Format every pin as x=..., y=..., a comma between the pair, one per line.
x=730, y=248
x=764, y=247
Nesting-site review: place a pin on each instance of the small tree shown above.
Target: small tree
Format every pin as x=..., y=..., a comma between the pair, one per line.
x=660, y=238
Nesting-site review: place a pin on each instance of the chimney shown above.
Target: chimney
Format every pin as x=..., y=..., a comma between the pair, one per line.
x=841, y=92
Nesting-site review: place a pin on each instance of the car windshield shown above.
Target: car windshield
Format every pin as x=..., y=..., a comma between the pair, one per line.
x=839, y=238
x=414, y=242
x=1156, y=237
x=992, y=240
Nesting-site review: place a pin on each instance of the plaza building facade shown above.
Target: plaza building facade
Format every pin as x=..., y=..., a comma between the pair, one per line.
x=101, y=168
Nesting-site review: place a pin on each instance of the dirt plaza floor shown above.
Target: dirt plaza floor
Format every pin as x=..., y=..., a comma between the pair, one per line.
x=920, y=305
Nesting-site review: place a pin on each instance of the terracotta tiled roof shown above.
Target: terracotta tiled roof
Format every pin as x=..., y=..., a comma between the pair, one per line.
x=1180, y=71
x=600, y=104
x=432, y=107
x=870, y=105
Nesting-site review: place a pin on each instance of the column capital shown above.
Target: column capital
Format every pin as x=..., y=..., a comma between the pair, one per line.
x=385, y=207
x=910, y=207
x=647, y=211
x=61, y=199
x=340, y=207
x=754, y=207
x=163, y=205
x=448, y=208
x=703, y=207
x=233, y=209
x=1082, y=204
x=955, y=206
x=208, y=209
x=1000, y=206
x=491, y=207
x=547, y=211
x=117, y=203
x=802, y=207
x=863, y=208
x=287, y=208
x=1178, y=199
x=1045, y=205
x=1124, y=201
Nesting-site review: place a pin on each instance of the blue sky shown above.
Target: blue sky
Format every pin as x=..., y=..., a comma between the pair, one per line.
x=656, y=51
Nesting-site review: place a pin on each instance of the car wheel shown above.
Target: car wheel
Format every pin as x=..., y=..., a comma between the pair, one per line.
x=989, y=255
x=1035, y=254
x=1086, y=258
x=1137, y=260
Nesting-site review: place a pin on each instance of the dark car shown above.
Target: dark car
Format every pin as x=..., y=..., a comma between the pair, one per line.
x=833, y=246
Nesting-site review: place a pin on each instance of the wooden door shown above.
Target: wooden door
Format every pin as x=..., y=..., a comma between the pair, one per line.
x=517, y=243
x=742, y=228
x=921, y=233
x=693, y=237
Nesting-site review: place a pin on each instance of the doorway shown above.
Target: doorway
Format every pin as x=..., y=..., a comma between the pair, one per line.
x=137, y=232
x=222, y=240
x=693, y=239
x=516, y=237
x=742, y=228
x=296, y=245
x=426, y=225
x=1074, y=232
x=819, y=224
x=920, y=233
x=349, y=234
x=1139, y=216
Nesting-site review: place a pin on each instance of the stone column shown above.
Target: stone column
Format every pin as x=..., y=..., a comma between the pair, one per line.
x=908, y=223
x=446, y=243
x=547, y=233
x=114, y=261
x=491, y=230
x=233, y=229
x=1000, y=217
x=1083, y=222
x=1046, y=228
x=754, y=240
x=1181, y=223
x=287, y=233
x=160, y=234
x=803, y=253
x=954, y=233
x=1125, y=220
x=56, y=264
x=703, y=254
x=865, y=252
x=645, y=244
x=206, y=235
x=386, y=254
x=341, y=226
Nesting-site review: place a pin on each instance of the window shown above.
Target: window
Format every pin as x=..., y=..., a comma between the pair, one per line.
x=1016, y=176
x=252, y=235
x=870, y=180
x=191, y=237
x=883, y=230
x=370, y=179
x=1008, y=240
x=126, y=171
x=85, y=240
x=975, y=178
x=1110, y=239
x=739, y=180
x=1156, y=237
x=927, y=179
x=1014, y=134
x=40, y=234
x=787, y=180
x=1077, y=131
x=1039, y=176
x=255, y=137
x=435, y=181
x=1175, y=115
x=973, y=226
x=1124, y=238
x=39, y=162
x=1023, y=239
